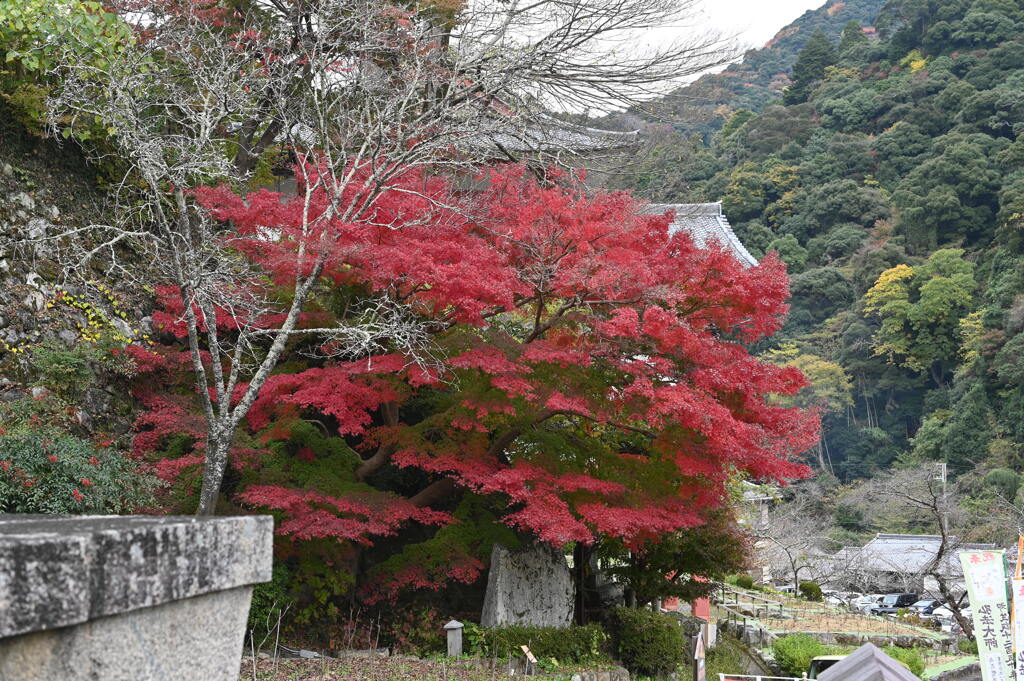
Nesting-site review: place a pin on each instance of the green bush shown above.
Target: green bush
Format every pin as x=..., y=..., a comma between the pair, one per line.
x=649, y=643
x=910, y=657
x=810, y=590
x=744, y=581
x=269, y=601
x=47, y=471
x=572, y=645
x=795, y=652
x=969, y=647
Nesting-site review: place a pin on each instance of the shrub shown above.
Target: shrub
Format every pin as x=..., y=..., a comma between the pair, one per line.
x=910, y=657
x=745, y=581
x=269, y=601
x=572, y=645
x=46, y=471
x=810, y=590
x=648, y=643
x=795, y=652
x=969, y=647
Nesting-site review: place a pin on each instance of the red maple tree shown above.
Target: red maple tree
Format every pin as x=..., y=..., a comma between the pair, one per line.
x=586, y=375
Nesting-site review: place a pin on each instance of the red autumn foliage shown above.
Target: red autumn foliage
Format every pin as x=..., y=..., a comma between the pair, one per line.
x=591, y=375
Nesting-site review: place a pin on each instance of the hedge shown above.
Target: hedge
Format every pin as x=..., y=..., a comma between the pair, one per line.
x=571, y=645
x=648, y=643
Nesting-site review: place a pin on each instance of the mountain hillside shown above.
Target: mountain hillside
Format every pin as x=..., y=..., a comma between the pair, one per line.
x=703, y=106
x=893, y=188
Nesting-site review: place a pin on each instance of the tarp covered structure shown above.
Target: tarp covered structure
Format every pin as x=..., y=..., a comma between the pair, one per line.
x=867, y=663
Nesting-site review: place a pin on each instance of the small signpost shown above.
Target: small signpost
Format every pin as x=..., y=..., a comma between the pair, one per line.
x=454, y=630
x=699, y=670
x=531, y=661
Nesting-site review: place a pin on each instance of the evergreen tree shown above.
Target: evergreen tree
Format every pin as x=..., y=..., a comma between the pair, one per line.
x=853, y=34
x=817, y=55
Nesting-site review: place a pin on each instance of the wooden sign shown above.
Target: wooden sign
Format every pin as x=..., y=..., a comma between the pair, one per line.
x=529, y=655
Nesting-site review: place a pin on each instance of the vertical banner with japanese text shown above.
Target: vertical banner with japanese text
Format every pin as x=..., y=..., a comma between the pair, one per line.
x=1017, y=589
x=985, y=574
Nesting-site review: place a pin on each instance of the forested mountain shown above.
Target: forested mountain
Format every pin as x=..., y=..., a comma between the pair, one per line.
x=890, y=179
x=704, y=105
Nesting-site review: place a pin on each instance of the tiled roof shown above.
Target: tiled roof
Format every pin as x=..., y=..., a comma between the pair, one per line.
x=905, y=553
x=867, y=663
x=705, y=222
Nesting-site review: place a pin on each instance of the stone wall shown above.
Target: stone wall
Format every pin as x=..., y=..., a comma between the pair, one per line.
x=127, y=598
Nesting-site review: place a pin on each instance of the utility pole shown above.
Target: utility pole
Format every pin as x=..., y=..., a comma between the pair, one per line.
x=942, y=477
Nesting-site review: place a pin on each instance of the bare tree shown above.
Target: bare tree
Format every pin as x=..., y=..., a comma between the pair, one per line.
x=793, y=539
x=359, y=92
x=920, y=497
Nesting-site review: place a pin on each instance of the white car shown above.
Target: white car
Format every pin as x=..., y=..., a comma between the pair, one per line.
x=842, y=598
x=944, y=613
x=866, y=602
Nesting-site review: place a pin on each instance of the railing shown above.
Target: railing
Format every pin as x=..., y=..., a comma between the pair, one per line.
x=726, y=592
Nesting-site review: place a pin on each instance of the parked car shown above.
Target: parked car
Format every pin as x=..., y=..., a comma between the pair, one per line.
x=866, y=602
x=842, y=598
x=821, y=663
x=893, y=602
x=943, y=612
x=925, y=606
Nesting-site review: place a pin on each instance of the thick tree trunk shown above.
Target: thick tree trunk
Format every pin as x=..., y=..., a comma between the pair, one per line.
x=213, y=475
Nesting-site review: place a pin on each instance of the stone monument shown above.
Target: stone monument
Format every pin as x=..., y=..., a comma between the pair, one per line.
x=531, y=586
x=128, y=598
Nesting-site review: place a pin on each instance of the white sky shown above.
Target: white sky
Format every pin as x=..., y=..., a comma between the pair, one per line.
x=755, y=21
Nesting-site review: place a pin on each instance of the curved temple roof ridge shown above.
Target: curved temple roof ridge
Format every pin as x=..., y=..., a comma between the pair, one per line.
x=704, y=222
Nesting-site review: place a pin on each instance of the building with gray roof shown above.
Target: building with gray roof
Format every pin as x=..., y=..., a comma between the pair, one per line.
x=904, y=562
x=705, y=223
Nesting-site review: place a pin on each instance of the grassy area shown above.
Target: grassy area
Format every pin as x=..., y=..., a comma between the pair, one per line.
x=946, y=665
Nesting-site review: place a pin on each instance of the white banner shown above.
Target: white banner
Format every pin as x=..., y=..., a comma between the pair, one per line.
x=985, y=574
x=1017, y=589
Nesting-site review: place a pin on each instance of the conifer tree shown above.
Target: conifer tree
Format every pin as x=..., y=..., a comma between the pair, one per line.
x=817, y=55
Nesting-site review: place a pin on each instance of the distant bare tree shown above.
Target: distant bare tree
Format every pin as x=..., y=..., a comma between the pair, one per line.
x=793, y=539
x=919, y=496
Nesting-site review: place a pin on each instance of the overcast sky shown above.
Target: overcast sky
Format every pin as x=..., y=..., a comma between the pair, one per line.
x=756, y=21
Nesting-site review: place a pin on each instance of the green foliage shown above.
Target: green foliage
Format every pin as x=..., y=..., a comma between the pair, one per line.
x=34, y=34
x=1004, y=482
x=567, y=646
x=910, y=657
x=810, y=590
x=810, y=65
x=744, y=581
x=795, y=652
x=648, y=642
x=712, y=550
x=920, y=311
x=968, y=647
x=270, y=600
x=49, y=471
x=69, y=370
x=790, y=252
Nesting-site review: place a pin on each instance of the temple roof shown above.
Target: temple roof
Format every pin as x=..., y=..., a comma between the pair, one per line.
x=705, y=222
x=867, y=663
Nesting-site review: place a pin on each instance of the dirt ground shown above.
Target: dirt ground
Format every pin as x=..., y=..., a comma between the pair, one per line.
x=371, y=669
x=841, y=622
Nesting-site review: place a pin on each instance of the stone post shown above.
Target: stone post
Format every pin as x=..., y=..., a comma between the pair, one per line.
x=454, y=629
x=128, y=598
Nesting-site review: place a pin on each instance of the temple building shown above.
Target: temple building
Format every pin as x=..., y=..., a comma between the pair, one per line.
x=705, y=222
